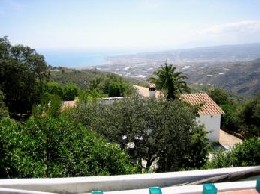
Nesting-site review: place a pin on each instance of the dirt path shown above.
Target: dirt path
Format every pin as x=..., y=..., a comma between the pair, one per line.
x=226, y=139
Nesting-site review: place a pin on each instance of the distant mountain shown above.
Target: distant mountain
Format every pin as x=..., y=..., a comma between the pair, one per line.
x=233, y=67
x=221, y=53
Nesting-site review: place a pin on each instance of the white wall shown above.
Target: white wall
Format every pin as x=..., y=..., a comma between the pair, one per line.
x=212, y=125
x=110, y=100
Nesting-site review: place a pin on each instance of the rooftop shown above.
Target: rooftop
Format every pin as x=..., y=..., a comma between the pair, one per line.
x=209, y=107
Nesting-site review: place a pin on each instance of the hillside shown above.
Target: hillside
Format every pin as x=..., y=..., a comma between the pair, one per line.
x=238, y=77
x=84, y=78
x=79, y=77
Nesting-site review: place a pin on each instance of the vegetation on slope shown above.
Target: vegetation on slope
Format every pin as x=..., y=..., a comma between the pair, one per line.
x=245, y=154
x=51, y=145
x=240, y=117
x=157, y=130
x=109, y=84
x=241, y=78
x=98, y=139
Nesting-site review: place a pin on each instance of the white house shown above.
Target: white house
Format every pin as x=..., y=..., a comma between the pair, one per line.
x=209, y=114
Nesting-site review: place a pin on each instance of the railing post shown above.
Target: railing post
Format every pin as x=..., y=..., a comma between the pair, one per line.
x=97, y=192
x=258, y=184
x=209, y=188
x=155, y=190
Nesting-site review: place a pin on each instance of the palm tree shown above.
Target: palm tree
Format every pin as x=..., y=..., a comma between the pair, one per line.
x=171, y=82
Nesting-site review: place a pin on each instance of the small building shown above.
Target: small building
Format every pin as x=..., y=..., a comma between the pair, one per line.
x=148, y=92
x=209, y=114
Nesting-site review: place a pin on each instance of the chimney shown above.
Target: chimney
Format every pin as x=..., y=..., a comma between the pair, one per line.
x=152, y=90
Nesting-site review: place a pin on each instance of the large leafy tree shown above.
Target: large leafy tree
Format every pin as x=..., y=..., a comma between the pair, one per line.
x=149, y=129
x=22, y=74
x=112, y=85
x=170, y=81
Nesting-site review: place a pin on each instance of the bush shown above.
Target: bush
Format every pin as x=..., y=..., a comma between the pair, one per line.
x=245, y=154
x=57, y=147
x=65, y=92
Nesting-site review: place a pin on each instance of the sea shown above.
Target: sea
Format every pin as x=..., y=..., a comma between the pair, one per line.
x=80, y=59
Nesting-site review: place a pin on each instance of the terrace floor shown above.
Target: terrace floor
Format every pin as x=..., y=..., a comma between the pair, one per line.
x=247, y=191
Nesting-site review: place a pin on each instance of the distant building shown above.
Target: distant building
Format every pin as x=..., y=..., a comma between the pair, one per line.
x=69, y=104
x=148, y=92
x=110, y=100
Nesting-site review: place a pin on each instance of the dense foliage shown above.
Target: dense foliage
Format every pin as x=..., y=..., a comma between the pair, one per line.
x=90, y=81
x=22, y=74
x=3, y=108
x=149, y=129
x=64, y=91
x=240, y=117
x=250, y=118
x=245, y=154
x=55, y=147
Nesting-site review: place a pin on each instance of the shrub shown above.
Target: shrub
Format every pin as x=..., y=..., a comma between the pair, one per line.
x=244, y=154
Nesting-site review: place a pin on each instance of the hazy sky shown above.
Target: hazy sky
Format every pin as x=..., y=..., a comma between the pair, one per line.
x=143, y=24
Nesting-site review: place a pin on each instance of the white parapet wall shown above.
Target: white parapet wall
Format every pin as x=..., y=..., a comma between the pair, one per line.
x=193, y=189
x=117, y=184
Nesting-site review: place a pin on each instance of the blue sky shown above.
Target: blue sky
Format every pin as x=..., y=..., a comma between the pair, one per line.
x=129, y=24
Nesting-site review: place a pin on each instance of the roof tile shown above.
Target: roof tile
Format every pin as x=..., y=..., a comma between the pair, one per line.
x=209, y=107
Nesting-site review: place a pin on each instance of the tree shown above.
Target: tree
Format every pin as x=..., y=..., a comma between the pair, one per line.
x=147, y=129
x=171, y=82
x=230, y=120
x=22, y=75
x=199, y=149
x=250, y=118
x=70, y=92
x=3, y=108
x=219, y=96
x=64, y=91
x=116, y=86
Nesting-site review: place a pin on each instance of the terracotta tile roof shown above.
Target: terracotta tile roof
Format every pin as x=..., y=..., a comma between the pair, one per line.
x=209, y=107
